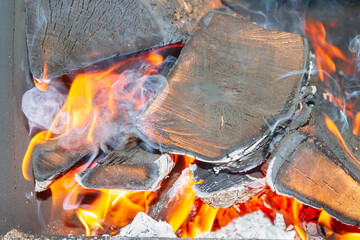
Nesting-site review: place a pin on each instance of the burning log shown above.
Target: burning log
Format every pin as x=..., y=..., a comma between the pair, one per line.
x=223, y=189
x=228, y=93
x=315, y=165
x=50, y=160
x=170, y=190
x=69, y=35
x=131, y=169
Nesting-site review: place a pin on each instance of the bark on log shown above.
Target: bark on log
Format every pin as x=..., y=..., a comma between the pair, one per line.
x=317, y=167
x=69, y=34
x=131, y=169
x=227, y=85
x=223, y=189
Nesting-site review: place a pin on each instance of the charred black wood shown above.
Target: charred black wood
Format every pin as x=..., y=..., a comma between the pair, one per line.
x=228, y=93
x=50, y=160
x=318, y=165
x=68, y=35
x=166, y=201
x=131, y=168
x=222, y=188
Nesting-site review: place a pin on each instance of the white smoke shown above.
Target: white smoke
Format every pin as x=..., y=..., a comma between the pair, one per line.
x=42, y=107
x=132, y=91
x=354, y=47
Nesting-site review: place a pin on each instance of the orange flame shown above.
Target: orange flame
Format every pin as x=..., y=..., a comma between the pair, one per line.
x=356, y=128
x=325, y=52
x=337, y=230
x=296, y=206
x=42, y=84
x=182, y=211
x=39, y=138
x=201, y=223
x=334, y=130
x=92, y=93
x=111, y=208
x=91, y=101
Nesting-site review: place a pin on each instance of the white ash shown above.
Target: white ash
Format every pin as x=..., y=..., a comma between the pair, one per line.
x=144, y=226
x=254, y=226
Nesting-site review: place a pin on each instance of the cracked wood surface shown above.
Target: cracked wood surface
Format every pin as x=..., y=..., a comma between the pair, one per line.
x=316, y=167
x=71, y=34
x=317, y=180
x=225, y=88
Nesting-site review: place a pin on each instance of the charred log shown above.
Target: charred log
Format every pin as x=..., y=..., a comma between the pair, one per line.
x=50, y=160
x=131, y=169
x=227, y=92
x=69, y=35
x=223, y=189
x=317, y=167
x=167, y=195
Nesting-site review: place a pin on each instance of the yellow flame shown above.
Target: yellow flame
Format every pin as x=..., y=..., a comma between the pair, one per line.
x=297, y=206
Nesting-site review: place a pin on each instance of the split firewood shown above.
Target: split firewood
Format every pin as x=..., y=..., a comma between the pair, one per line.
x=223, y=189
x=228, y=93
x=167, y=196
x=318, y=166
x=50, y=160
x=68, y=35
x=131, y=168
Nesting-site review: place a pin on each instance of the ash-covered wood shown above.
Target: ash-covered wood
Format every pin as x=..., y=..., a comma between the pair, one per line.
x=132, y=168
x=318, y=168
x=166, y=197
x=223, y=189
x=227, y=92
x=71, y=34
x=50, y=159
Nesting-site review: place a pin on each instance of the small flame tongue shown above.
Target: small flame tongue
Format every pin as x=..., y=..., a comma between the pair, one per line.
x=324, y=51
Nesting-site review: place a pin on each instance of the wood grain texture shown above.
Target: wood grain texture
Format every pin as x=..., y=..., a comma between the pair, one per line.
x=317, y=179
x=71, y=34
x=318, y=168
x=50, y=160
x=223, y=88
x=131, y=169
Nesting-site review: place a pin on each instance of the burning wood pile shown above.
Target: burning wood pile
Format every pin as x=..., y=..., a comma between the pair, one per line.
x=189, y=112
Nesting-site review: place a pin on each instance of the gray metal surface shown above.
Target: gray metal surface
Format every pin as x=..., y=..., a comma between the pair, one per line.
x=16, y=211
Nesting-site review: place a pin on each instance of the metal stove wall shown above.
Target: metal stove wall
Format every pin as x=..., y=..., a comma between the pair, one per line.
x=16, y=211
